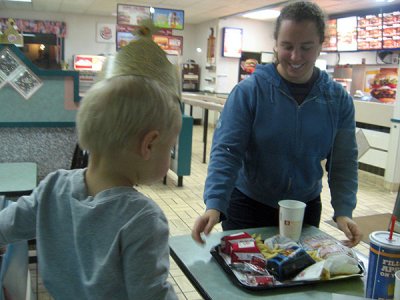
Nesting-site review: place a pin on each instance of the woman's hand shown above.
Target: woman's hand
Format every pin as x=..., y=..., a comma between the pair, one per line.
x=204, y=224
x=350, y=229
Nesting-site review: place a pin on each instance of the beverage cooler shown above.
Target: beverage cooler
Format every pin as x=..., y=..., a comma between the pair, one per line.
x=89, y=67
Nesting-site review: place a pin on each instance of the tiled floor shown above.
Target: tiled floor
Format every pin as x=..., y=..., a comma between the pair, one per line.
x=183, y=204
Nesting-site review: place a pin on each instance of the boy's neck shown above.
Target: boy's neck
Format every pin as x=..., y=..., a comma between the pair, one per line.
x=102, y=175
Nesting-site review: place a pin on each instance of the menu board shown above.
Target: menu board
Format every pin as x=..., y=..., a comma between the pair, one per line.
x=330, y=43
x=232, y=42
x=391, y=30
x=132, y=14
x=363, y=32
x=347, y=34
x=168, y=18
x=172, y=45
x=369, y=29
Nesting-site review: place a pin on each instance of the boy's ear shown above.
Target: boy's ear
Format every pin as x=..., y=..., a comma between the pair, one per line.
x=147, y=143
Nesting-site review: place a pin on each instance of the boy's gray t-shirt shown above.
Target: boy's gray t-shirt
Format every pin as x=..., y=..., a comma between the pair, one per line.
x=111, y=246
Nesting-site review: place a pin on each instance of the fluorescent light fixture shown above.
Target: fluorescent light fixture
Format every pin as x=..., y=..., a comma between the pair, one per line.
x=266, y=14
x=28, y=34
x=19, y=1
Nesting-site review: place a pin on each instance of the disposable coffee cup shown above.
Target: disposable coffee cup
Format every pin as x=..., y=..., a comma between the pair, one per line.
x=397, y=285
x=291, y=215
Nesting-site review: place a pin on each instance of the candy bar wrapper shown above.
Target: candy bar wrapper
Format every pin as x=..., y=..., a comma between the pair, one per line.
x=248, y=268
x=260, y=280
x=226, y=241
x=244, y=251
x=259, y=262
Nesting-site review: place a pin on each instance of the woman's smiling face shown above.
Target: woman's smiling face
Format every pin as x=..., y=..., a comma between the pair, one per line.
x=298, y=46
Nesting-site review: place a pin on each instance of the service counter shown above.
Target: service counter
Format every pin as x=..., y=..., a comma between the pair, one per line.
x=38, y=111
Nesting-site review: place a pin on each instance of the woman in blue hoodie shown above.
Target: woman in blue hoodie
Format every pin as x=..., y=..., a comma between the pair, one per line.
x=276, y=129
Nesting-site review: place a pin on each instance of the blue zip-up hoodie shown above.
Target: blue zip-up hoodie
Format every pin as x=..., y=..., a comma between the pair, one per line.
x=271, y=148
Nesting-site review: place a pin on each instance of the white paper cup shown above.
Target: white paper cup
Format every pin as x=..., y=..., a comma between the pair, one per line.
x=396, y=285
x=291, y=215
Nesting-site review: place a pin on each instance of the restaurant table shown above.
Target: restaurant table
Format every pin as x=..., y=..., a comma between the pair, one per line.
x=207, y=103
x=17, y=178
x=212, y=282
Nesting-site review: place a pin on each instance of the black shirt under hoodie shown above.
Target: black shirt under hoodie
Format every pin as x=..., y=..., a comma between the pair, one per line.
x=300, y=91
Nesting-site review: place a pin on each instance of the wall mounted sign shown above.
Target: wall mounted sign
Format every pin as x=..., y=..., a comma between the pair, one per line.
x=168, y=18
x=347, y=34
x=172, y=45
x=89, y=62
x=132, y=14
x=232, y=42
x=105, y=33
x=363, y=32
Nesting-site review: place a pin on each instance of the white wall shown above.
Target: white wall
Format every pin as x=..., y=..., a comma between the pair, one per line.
x=257, y=37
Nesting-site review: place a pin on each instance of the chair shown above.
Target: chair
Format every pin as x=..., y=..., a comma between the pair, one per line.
x=14, y=273
x=80, y=158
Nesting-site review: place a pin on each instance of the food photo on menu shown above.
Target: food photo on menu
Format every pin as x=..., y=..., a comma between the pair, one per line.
x=384, y=85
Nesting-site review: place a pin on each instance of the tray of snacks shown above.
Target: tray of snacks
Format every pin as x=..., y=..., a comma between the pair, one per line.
x=257, y=264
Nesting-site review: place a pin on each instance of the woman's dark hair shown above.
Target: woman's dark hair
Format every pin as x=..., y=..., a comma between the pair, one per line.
x=302, y=11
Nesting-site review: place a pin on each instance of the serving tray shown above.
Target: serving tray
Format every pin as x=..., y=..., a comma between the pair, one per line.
x=239, y=278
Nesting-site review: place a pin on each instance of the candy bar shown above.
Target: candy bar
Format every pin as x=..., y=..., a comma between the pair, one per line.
x=244, y=251
x=226, y=241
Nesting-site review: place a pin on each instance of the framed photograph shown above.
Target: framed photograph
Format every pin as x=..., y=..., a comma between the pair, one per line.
x=132, y=14
x=232, y=42
x=26, y=83
x=9, y=62
x=105, y=33
x=169, y=18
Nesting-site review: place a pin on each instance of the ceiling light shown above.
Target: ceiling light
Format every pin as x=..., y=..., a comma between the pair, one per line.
x=266, y=14
x=19, y=0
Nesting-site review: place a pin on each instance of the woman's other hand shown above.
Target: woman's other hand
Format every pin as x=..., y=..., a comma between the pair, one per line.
x=204, y=224
x=350, y=229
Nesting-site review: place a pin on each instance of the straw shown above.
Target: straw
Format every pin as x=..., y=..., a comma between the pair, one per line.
x=392, y=227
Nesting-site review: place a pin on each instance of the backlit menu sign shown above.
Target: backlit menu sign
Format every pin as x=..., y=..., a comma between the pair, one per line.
x=330, y=43
x=369, y=30
x=347, y=34
x=132, y=14
x=391, y=30
x=363, y=32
